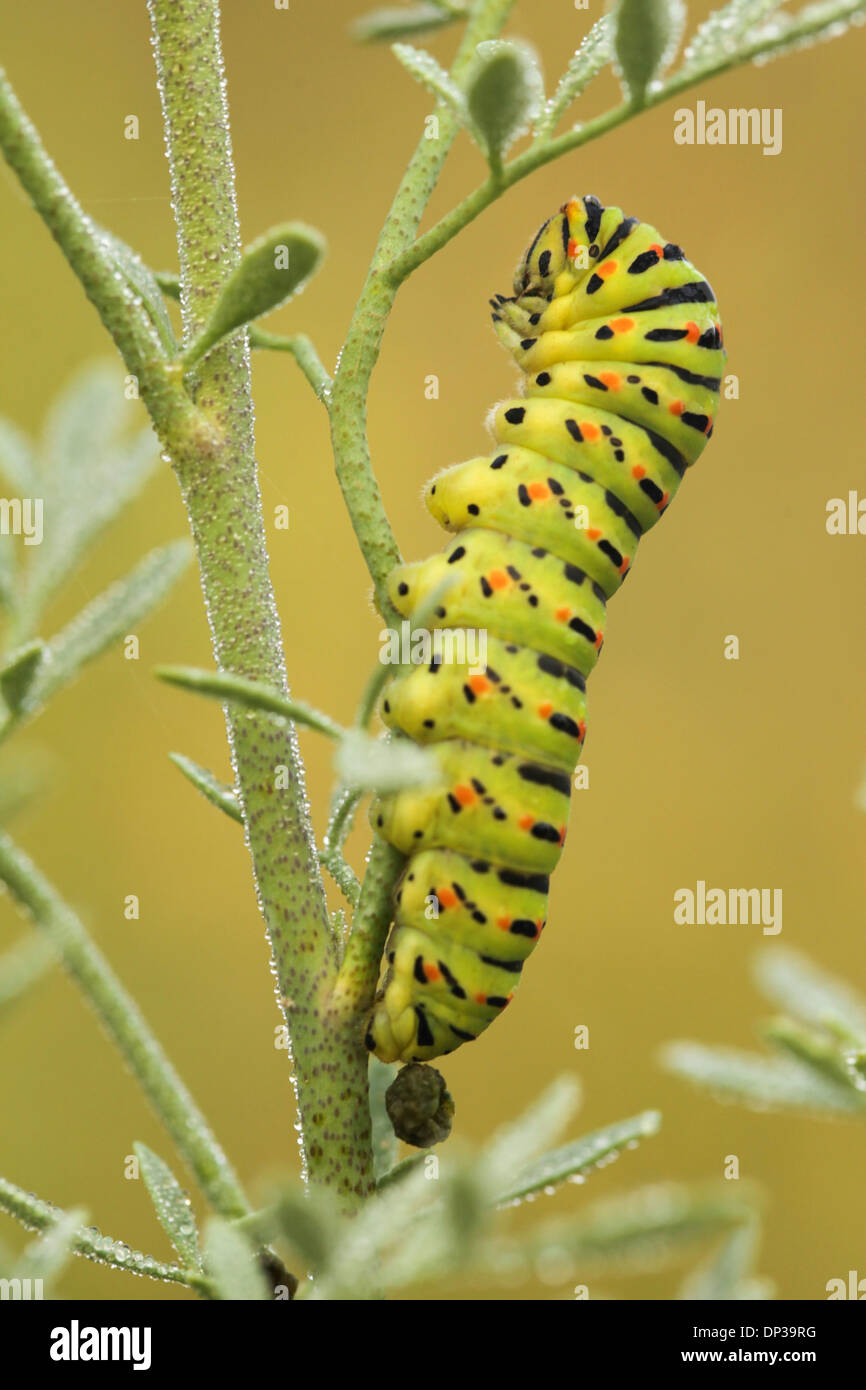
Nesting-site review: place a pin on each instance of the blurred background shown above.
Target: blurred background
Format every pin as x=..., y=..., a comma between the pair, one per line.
x=743, y=773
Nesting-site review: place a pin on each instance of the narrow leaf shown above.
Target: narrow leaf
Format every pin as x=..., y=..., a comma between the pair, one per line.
x=725, y=30
x=641, y=1229
x=171, y=1204
x=142, y=281
x=108, y=618
x=88, y=474
x=232, y=1263
x=384, y=766
x=761, y=1082
x=272, y=270
x=216, y=792
x=19, y=673
x=792, y=982
x=17, y=463
x=386, y=1146
x=21, y=967
x=237, y=690
x=580, y=1157
x=396, y=22
x=817, y=1052
x=524, y=1139
x=594, y=53
x=726, y=1275
x=646, y=37
x=309, y=1220
x=504, y=94
x=46, y=1257
x=424, y=68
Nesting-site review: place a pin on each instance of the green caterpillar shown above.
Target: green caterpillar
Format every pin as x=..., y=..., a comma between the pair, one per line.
x=620, y=340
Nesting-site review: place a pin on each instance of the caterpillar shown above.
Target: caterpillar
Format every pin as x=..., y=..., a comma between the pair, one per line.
x=620, y=342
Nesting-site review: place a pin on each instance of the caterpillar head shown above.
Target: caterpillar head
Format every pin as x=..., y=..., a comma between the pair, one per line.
x=557, y=259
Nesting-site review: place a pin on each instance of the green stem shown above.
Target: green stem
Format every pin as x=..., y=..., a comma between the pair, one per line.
x=348, y=408
x=127, y=1028
x=359, y=972
x=304, y=353
x=37, y=1215
x=223, y=502
x=443, y=231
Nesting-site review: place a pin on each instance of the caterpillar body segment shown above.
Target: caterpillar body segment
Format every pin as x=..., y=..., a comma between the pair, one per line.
x=620, y=343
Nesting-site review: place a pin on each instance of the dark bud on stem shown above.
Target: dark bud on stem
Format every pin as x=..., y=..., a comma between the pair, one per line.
x=419, y=1106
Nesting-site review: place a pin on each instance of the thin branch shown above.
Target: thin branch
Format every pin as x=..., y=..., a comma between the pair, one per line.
x=37, y=1215
x=348, y=408
x=443, y=231
x=126, y=1027
x=304, y=353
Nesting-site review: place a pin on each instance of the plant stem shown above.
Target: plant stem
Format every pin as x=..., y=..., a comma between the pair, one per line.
x=302, y=350
x=223, y=502
x=348, y=407
x=125, y=1025
x=38, y=1215
x=443, y=231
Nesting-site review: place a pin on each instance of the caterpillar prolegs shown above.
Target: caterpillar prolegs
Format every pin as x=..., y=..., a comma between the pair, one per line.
x=620, y=341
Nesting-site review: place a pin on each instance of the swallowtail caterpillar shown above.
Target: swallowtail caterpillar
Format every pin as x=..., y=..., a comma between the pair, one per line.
x=619, y=339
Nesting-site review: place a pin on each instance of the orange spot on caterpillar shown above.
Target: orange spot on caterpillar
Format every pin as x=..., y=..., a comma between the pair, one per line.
x=545, y=709
x=481, y=998
x=624, y=566
x=592, y=533
x=526, y=822
x=539, y=922
x=446, y=897
x=663, y=502
x=432, y=972
x=497, y=579
x=621, y=325
x=571, y=207
x=709, y=425
x=572, y=248
x=589, y=430
x=581, y=729
x=538, y=491
x=508, y=998
x=465, y=795
x=479, y=684
x=503, y=923
x=676, y=407
x=599, y=638
x=693, y=332
x=606, y=270
x=638, y=471
x=612, y=380
x=659, y=250
x=562, y=834
x=562, y=615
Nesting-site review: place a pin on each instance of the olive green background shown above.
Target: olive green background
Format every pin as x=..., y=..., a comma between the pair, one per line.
x=742, y=773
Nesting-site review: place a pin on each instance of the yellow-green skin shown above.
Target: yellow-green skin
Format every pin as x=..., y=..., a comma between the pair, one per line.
x=620, y=340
